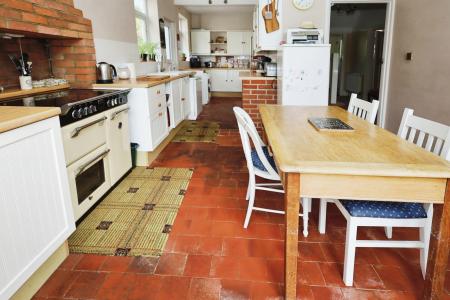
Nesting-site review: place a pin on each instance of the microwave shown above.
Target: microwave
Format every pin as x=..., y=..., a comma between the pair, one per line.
x=304, y=36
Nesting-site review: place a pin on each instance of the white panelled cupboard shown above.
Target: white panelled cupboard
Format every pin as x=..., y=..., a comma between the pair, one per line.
x=35, y=206
x=225, y=80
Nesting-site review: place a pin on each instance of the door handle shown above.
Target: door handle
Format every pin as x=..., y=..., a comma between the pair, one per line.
x=114, y=115
x=77, y=130
x=83, y=167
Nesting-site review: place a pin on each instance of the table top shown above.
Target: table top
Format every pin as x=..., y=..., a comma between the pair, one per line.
x=368, y=150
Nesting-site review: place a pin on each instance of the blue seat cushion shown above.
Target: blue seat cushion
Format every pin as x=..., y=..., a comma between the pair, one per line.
x=383, y=209
x=257, y=163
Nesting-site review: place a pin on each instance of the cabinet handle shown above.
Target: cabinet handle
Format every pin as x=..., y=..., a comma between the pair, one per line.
x=160, y=114
x=83, y=167
x=159, y=105
x=114, y=115
x=158, y=92
x=182, y=99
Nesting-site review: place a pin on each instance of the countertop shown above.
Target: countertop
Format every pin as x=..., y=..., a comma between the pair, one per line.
x=17, y=92
x=248, y=75
x=205, y=69
x=141, y=82
x=12, y=117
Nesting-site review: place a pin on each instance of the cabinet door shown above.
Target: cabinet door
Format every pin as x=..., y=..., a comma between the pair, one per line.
x=219, y=80
x=247, y=43
x=118, y=139
x=159, y=130
x=36, y=208
x=200, y=42
x=234, y=44
x=176, y=103
x=185, y=97
x=234, y=83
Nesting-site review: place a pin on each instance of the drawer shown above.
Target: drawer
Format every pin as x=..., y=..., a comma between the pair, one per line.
x=157, y=91
x=156, y=103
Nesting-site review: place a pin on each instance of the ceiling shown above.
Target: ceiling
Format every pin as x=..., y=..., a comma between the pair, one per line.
x=202, y=9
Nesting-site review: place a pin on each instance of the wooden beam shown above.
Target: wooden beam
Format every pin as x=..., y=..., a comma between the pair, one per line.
x=438, y=253
x=292, y=206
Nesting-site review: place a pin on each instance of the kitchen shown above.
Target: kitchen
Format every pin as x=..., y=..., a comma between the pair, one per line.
x=111, y=107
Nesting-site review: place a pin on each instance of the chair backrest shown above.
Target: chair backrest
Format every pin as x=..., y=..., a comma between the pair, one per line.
x=248, y=132
x=363, y=109
x=433, y=136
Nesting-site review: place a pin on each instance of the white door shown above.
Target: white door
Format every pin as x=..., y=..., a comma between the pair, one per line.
x=200, y=40
x=234, y=43
x=158, y=128
x=118, y=140
x=247, y=43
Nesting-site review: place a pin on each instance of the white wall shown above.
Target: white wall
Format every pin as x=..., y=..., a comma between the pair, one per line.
x=224, y=21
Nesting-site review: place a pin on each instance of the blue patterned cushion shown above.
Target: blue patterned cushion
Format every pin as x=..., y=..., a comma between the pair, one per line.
x=257, y=163
x=383, y=209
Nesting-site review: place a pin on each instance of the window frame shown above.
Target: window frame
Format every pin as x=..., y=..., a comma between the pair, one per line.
x=145, y=17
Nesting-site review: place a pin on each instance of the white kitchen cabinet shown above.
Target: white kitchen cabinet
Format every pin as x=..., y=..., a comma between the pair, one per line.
x=173, y=88
x=35, y=205
x=146, y=105
x=225, y=80
x=185, y=91
x=268, y=41
x=118, y=141
x=239, y=42
x=200, y=42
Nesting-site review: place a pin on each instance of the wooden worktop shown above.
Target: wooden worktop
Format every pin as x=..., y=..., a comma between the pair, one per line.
x=12, y=117
x=369, y=150
x=17, y=92
x=249, y=75
x=140, y=82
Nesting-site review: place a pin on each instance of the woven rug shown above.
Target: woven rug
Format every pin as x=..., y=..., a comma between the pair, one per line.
x=135, y=219
x=198, y=131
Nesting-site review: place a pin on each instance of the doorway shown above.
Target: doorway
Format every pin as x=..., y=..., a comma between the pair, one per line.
x=360, y=36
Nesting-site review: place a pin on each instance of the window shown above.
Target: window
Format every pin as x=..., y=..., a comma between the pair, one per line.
x=142, y=21
x=184, y=35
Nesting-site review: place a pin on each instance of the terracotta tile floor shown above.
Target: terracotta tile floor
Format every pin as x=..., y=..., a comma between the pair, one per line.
x=210, y=256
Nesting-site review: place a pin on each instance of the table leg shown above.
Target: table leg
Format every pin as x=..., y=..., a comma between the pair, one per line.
x=292, y=206
x=438, y=253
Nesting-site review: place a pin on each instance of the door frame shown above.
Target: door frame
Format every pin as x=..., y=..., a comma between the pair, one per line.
x=387, y=47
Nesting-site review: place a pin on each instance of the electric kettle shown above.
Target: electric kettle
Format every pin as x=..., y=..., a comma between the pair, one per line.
x=105, y=72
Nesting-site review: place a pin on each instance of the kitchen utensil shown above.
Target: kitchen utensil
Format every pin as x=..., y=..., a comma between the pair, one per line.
x=270, y=13
x=16, y=62
x=123, y=72
x=106, y=73
x=270, y=69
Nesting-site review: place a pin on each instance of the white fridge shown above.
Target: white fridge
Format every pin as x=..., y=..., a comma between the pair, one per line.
x=303, y=74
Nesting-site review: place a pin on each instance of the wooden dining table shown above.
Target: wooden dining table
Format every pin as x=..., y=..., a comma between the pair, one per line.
x=367, y=163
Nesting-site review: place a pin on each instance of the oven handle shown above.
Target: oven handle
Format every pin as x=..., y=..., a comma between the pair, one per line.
x=77, y=130
x=114, y=115
x=83, y=167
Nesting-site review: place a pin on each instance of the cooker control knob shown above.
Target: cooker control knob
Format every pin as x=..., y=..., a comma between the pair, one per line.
x=91, y=109
x=85, y=111
x=74, y=114
x=115, y=101
x=80, y=113
x=109, y=103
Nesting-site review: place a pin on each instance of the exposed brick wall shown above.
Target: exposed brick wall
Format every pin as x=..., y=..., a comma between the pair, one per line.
x=256, y=92
x=70, y=35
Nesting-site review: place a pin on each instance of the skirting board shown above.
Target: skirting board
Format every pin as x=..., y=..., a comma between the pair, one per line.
x=227, y=94
x=34, y=283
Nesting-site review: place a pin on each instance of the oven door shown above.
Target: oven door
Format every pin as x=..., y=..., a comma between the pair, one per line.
x=89, y=180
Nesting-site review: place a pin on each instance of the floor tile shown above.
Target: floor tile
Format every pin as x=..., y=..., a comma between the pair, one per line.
x=71, y=261
x=263, y=291
x=174, y=287
x=146, y=287
x=86, y=285
x=198, y=265
x=116, y=286
x=58, y=284
x=140, y=264
x=225, y=267
x=331, y=293
x=171, y=264
x=90, y=262
x=235, y=290
x=204, y=289
x=116, y=264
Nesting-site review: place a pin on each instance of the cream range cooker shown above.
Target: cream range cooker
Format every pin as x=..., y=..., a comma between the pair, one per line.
x=94, y=127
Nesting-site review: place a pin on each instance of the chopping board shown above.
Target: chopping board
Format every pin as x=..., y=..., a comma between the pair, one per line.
x=269, y=13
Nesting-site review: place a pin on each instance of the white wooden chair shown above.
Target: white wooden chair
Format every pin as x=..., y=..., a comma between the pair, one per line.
x=363, y=109
x=435, y=138
x=366, y=111
x=260, y=163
